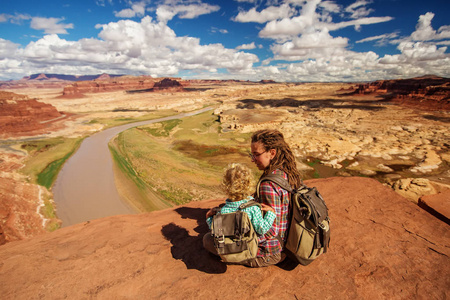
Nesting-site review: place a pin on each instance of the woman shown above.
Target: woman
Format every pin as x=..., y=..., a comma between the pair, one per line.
x=272, y=155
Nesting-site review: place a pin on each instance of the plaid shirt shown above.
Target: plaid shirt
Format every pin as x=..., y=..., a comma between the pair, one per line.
x=260, y=224
x=278, y=198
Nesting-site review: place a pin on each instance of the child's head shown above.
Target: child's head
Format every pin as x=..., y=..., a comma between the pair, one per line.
x=237, y=181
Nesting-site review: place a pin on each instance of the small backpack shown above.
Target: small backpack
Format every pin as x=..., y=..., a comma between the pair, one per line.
x=234, y=236
x=308, y=234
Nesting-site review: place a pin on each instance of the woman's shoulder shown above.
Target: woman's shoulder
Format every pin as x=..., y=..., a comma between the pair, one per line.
x=280, y=172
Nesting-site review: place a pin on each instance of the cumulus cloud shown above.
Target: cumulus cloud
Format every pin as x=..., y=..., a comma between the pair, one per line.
x=126, y=46
x=310, y=19
x=304, y=40
x=310, y=45
x=304, y=45
x=425, y=32
x=166, y=13
x=268, y=14
x=50, y=25
x=136, y=10
x=246, y=46
x=7, y=49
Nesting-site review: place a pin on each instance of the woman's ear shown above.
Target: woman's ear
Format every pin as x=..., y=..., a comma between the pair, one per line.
x=272, y=153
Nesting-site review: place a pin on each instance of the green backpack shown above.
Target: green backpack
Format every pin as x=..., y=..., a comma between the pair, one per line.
x=234, y=237
x=308, y=234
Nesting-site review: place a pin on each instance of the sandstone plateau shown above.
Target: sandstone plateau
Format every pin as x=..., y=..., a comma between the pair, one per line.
x=334, y=130
x=382, y=247
x=20, y=115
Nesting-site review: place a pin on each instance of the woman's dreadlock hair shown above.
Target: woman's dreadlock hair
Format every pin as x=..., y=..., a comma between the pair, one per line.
x=284, y=159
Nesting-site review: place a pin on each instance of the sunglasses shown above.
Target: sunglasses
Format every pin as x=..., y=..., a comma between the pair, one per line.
x=254, y=156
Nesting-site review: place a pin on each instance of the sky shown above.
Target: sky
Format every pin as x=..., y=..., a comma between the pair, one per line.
x=281, y=40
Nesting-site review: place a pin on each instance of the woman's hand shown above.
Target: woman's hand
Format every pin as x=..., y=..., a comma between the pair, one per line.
x=210, y=213
x=266, y=208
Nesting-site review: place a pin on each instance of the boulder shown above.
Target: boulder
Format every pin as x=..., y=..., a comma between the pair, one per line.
x=414, y=188
x=382, y=247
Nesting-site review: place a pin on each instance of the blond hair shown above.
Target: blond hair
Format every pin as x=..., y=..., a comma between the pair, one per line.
x=237, y=181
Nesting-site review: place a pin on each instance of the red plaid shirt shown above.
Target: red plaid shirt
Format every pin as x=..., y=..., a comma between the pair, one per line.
x=278, y=198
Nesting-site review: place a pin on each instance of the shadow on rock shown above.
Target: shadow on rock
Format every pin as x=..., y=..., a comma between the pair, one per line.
x=314, y=104
x=188, y=248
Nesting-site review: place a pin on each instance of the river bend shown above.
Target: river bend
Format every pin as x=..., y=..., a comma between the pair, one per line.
x=84, y=189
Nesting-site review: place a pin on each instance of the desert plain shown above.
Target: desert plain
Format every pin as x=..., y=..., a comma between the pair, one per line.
x=381, y=162
x=333, y=130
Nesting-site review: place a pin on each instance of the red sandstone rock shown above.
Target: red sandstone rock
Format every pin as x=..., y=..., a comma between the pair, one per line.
x=382, y=247
x=438, y=205
x=125, y=83
x=428, y=92
x=19, y=205
x=168, y=84
x=19, y=115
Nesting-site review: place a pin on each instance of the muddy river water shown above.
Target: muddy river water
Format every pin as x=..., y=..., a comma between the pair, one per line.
x=84, y=189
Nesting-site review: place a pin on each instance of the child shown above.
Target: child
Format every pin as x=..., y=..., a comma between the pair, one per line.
x=238, y=184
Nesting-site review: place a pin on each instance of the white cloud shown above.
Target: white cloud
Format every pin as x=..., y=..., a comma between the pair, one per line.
x=165, y=13
x=215, y=29
x=50, y=25
x=136, y=10
x=330, y=6
x=7, y=49
x=303, y=45
x=310, y=45
x=268, y=14
x=14, y=19
x=425, y=32
x=246, y=46
x=125, y=47
x=358, y=10
x=381, y=39
x=310, y=20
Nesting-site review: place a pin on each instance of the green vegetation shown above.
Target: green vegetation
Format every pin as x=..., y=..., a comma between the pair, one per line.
x=179, y=160
x=47, y=157
x=49, y=212
x=125, y=166
x=162, y=129
x=112, y=122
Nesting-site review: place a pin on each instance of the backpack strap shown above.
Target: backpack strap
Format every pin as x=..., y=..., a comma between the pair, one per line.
x=249, y=204
x=276, y=178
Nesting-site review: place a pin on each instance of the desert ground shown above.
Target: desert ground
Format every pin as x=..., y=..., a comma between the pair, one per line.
x=332, y=131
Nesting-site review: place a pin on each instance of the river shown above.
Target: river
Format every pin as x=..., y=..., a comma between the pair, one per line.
x=84, y=189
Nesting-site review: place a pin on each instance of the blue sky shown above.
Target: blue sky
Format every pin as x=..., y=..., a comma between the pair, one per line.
x=291, y=40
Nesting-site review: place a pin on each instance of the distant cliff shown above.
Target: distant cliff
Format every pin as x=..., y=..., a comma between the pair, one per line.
x=21, y=115
x=43, y=80
x=382, y=247
x=428, y=92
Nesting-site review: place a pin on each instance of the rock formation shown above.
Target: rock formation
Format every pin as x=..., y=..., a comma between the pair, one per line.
x=48, y=81
x=167, y=84
x=428, y=92
x=437, y=204
x=104, y=84
x=19, y=115
x=382, y=247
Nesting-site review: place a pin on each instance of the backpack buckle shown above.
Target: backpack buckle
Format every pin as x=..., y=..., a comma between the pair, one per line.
x=221, y=241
